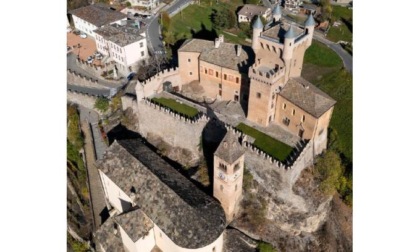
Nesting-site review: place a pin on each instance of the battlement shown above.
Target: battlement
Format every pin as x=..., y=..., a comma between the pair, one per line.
x=200, y=117
x=269, y=77
x=80, y=80
x=162, y=74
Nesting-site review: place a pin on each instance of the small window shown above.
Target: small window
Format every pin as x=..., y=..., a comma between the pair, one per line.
x=142, y=53
x=274, y=49
x=141, y=44
x=189, y=60
x=220, y=92
x=303, y=118
x=268, y=47
x=269, y=119
x=284, y=106
x=225, y=76
x=272, y=97
x=258, y=95
x=205, y=70
x=237, y=79
x=214, y=249
x=293, y=112
x=320, y=132
x=217, y=74
x=286, y=121
x=190, y=73
x=220, y=85
x=262, y=46
x=236, y=167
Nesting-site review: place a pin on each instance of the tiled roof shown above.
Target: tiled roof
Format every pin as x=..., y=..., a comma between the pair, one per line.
x=307, y=97
x=250, y=10
x=98, y=14
x=106, y=237
x=122, y=35
x=189, y=217
x=135, y=223
x=278, y=31
x=229, y=149
x=224, y=56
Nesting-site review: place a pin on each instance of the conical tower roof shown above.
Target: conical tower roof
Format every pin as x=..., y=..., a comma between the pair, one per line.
x=310, y=21
x=257, y=24
x=277, y=10
x=290, y=33
x=229, y=149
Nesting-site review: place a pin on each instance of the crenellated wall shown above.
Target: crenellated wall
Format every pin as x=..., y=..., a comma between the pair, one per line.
x=155, y=84
x=173, y=128
x=83, y=81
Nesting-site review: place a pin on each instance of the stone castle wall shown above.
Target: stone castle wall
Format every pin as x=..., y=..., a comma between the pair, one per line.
x=154, y=85
x=81, y=99
x=175, y=129
x=83, y=81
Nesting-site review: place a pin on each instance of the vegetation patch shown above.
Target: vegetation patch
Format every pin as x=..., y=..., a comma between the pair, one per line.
x=265, y=247
x=102, y=104
x=176, y=106
x=345, y=30
x=321, y=55
x=266, y=143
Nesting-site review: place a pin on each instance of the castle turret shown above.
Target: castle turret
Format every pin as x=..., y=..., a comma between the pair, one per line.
x=277, y=13
x=257, y=28
x=289, y=43
x=228, y=174
x=309, y=28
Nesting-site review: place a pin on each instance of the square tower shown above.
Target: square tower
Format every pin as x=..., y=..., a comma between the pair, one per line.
x=228, y=174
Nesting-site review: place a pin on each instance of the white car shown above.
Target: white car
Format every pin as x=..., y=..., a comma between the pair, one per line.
x=82, y=35
x=90, y=60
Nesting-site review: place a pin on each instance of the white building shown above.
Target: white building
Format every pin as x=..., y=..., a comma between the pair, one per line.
x=91, y=17
x=154, y=206
x=124, y=43
x=149, y=4
x=248, y=11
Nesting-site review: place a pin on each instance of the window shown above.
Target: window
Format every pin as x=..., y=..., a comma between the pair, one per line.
x=258, y=95
x=320, y=132
x=262, y=46
x=293, y=112
x=286, y=121
x=237, y=79
x=269, y=119
x=225, y=76
x=217, y=74
x=214, y=249
x=205, y=70
x=189, y=60
x=210, y=71
x=190, y=73
x=220, y=85
x=268, y=47
x=236, y=167
x=284, y=106
x=220, y=92
x=221, y=188
x=272, y=105
x=222, y=167
x=142, y=53
x=141, y=44
x=303, y=118
x=274, y=49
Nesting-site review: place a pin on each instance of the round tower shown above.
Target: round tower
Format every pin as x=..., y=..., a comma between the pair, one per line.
x=289, y=42
x=277, y=13
x=309, y=28
x=257, y=28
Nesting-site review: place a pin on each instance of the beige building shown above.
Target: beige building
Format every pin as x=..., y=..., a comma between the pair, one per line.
x=153, y=207
x=266, y=78
x=249, y=11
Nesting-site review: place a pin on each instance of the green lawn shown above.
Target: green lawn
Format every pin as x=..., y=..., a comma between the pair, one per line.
x=176, y=106
x=320, y=55
x=343, y=32
x=266, y=143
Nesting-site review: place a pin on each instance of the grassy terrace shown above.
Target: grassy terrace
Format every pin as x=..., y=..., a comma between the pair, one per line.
x=176, y=106
x=266, y=143
x=323, y=68
x=344, y=31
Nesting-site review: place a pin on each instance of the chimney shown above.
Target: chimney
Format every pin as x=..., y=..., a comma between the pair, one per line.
x=238, y=50
x=216, y=43
x=221, y=38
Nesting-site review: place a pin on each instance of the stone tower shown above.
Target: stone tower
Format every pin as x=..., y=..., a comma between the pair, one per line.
x=257, y=28
x=228, y=174
x=277, y=13
x=309, y=29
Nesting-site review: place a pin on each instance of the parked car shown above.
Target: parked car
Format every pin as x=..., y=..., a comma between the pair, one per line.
x=131, y=76
x=82, y=35
x=90, y=60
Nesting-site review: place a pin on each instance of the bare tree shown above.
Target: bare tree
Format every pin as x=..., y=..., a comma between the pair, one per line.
x=155, y=64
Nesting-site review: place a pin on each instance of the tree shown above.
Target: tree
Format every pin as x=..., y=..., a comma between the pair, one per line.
x=223, y=18
x=329, y=169
x=265, y=247
x=102, y=104
x=252, y=2
x=166, y=21
x=73, y=130
x=127, y=4
x=156, y=63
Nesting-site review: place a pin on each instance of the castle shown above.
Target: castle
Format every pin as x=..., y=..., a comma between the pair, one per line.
x=152, y=206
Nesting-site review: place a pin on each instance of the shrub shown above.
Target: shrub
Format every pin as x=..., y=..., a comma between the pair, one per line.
x=329, y=169
x=127, y=4
x=102, y=104
x=265, y=247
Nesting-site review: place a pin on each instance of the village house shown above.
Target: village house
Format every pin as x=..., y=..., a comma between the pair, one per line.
x=249, y=11
x=124, y=43
x=89, y=18
x=148, y=4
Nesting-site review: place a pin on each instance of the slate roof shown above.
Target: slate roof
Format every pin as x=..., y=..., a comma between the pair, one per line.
x=98, y=14
x=229, y=149
x=135, y=223
x=122, y=35
x=278, y=31
x=290, y=33
x=257, y=24
x=250, y=10
x=224, y=56
x=189, y=217
x=307, y=97
x=277, y=10
x=106, y=237
x=310, y=20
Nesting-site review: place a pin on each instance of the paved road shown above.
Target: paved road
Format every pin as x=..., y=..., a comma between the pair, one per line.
x=93, y=118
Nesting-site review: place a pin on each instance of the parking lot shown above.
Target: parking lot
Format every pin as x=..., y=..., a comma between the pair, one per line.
x=83, y=47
